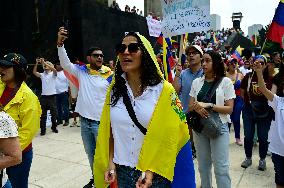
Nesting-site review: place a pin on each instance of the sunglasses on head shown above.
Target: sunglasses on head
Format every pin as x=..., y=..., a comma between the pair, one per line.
x=97, y=55
x=132, y=48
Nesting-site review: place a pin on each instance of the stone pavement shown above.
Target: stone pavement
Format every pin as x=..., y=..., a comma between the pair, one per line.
x=60, y=162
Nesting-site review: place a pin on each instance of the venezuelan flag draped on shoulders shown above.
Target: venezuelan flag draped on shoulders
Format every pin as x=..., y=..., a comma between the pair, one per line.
x=104, y=72
x=166, y=148
x=276, y=30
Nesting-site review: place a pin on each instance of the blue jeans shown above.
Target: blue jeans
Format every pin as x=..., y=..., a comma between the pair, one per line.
x=263, y=127
x=127, y=178
x=236, y=115
x=7, y=184
x=216, y=152
x=19, y=174
x=89, y=132
x=62, y=101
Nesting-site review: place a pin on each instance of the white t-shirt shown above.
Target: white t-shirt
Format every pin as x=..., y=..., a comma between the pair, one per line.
x=92, y=88
x=8, y=129
x=276, y=132
x=224, y=92
x=48, y=81
x=244, y=71
x=62, y=83
x=128, y=139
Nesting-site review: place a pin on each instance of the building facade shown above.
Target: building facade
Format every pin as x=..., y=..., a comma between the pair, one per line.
x=215, y=22
x=253, y=29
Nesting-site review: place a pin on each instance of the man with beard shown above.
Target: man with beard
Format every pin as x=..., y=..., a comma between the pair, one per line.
x=93, y=79
x=184, y=78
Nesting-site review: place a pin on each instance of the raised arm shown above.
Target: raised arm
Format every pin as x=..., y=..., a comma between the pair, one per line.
x=62, y=54
x=50, y=67
x=37, y=74
x=177, y=79
x=261, y=83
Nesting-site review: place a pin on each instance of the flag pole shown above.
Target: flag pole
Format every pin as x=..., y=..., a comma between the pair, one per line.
x=263, y=46
x=181, y=48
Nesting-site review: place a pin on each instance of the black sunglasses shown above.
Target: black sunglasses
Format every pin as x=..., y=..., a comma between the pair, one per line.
x=132, y=48
x=97, y=55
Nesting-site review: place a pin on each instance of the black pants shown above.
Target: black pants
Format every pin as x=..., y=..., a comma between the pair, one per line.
x=48, y=102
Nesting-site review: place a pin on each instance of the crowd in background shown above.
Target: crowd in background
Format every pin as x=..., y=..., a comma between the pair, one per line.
x=211, y=83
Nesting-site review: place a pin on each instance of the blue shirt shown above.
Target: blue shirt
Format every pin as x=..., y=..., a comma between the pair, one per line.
x=186, y=79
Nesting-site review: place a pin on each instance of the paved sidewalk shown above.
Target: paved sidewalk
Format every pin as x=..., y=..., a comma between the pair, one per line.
x=60, y=162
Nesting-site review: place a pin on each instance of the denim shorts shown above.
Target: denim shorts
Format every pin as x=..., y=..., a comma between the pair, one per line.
x=127, y=178
x=278, y=161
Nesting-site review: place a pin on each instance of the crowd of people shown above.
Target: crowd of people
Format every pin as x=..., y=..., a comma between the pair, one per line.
x=127, y=8
x=141, y=122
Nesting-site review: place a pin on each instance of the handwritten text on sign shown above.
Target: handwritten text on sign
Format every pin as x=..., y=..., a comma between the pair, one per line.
x=185, y=16
x=154, y=27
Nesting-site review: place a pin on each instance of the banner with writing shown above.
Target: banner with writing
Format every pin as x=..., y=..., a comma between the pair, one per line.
x=185, y=16
x=154, y=27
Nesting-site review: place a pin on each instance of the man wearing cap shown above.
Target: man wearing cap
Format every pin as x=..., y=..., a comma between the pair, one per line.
x=18, y=100
x=184, y=78
x=93, y=80
x=48, y=94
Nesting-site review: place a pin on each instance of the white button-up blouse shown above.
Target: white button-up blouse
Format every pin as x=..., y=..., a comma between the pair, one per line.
x=128, y=139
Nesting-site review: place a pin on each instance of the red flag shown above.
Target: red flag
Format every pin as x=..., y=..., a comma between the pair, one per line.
x=276, y=29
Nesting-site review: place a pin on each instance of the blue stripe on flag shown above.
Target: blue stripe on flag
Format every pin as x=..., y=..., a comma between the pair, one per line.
x=184, y=169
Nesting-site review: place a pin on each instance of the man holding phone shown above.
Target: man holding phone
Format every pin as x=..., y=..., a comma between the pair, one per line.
x=48, y=94
x=94, y=79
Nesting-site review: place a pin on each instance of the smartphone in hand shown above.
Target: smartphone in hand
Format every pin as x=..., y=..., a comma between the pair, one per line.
x=65, y=24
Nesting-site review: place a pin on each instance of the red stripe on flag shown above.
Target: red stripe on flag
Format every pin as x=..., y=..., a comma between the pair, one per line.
x=275, y=33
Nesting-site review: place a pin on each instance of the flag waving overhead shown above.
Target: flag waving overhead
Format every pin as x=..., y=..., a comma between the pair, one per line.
x=276, y=30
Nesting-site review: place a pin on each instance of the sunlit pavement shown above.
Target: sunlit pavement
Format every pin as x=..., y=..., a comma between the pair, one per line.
x=60, y=162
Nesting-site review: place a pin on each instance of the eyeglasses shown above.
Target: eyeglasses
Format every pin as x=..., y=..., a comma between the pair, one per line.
x=132, y=48
x=97, y=55
x=193, y=53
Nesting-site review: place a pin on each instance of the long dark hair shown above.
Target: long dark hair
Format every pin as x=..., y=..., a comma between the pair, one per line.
x=20, y=75
x=278, y=80
x=149, y=75
x=217, y=64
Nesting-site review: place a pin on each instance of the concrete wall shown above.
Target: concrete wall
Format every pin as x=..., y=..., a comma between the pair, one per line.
x=152, y=6
x=104, y=27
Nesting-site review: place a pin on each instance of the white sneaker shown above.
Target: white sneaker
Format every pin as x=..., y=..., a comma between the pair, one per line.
x=73, y=124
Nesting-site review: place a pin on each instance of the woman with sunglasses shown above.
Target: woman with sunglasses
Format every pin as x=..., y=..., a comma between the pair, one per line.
x=236, y=78
x=18, y=100
x=256, y=111
x=142, y=126
x=276, y=132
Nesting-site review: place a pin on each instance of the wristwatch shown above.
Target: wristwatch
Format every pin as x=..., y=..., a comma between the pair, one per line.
x=211, y=105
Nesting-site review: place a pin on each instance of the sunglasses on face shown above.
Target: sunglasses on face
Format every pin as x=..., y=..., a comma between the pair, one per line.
x=97, y=55
x=132, y=48
x=261, y=62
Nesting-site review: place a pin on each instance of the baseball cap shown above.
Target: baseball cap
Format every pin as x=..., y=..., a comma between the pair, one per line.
x=14, y=59
x=196, y=47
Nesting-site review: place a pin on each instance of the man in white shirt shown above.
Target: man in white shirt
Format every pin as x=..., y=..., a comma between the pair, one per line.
x=94, y=80
x=246, y=67
x=62, y=97
x=48, y=94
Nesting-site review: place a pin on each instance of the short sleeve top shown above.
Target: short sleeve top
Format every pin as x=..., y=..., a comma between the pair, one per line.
x=8, y=127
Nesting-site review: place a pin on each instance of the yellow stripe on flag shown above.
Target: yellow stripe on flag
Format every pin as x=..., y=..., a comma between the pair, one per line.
x=165, y=58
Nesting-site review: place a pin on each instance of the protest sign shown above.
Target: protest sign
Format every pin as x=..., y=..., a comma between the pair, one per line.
x=154, y=27
x=185, y=16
